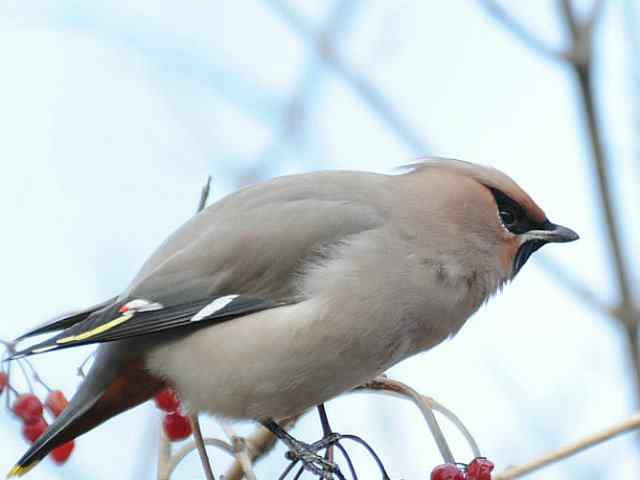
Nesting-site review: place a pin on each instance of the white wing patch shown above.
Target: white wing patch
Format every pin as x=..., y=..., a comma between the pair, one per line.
x=140, y=305
x=215, y=306
x=44, y=349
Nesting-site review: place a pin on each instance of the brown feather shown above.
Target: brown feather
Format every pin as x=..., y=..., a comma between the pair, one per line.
x=133, y=386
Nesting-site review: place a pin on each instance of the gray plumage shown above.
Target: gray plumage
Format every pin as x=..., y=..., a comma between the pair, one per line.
x=316, y=283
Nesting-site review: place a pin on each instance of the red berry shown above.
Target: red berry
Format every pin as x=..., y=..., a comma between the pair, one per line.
x=28, y=407
x=447, y=471
x=62, y=453
x=56, y=402
x=33, y=430
x=176, y=426
x=479, y=469
x=4, y=381
x=167, y=400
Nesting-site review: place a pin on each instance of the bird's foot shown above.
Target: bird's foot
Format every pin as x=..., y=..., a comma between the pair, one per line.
x=306, y=453
x=311, y=460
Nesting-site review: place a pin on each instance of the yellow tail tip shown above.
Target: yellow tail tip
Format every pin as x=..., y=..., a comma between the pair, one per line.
x=20, y=470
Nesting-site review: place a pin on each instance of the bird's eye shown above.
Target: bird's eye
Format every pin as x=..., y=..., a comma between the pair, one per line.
x=513, y=217
x=509, y=217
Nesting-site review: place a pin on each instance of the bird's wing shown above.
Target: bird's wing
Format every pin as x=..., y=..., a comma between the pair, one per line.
x=141, y=317
x=65, y=321
x=256, y=240
x=245, y=252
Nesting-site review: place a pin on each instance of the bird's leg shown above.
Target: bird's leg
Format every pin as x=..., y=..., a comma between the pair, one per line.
x=303, y=452
x=334, y=439
x=326, y=433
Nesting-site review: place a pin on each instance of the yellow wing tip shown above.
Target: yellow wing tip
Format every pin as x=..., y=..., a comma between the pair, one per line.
x=16, y=471
x=20, y=470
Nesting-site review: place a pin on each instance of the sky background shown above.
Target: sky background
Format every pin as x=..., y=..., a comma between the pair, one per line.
x=113, y=114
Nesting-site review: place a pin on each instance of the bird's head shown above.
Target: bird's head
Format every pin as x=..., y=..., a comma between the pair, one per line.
x=479, y=217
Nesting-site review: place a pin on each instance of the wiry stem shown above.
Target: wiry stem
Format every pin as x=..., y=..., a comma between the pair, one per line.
x=372, y=96
x=503, y=16
x=202, y=451
x=571, y=449
x=243, y=457
x=386, y=384
x=258, y=446
x=580, y=61
x=626, y=311
x=574, y=284
x=176, y=458
x=204, y=195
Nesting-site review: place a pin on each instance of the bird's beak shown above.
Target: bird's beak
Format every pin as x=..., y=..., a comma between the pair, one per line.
x=553, y=233
x=534, y=239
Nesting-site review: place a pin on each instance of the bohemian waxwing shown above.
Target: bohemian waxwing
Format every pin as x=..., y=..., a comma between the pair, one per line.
x=287, y=293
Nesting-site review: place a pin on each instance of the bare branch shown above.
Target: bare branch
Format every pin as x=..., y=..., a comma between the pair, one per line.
x=386, y=384
x=529, y=39
x=190, y=447
x=164, y=458
x=241, y=449
x=258, y=446
x=204, y=195
x=594, y=16
x=293, y=118
x=573, y=284
x=202, y=451
x=580, y=54
x=626, y=311
x=453, y=418
x=602, y=167
x=83, y=365
x=378, y=102
x=569, y=15
x=571, y=449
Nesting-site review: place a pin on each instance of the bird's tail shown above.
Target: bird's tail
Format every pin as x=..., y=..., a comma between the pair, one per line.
x=94, y=403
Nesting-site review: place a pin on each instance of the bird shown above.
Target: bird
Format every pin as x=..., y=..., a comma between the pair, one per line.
x=289, y=292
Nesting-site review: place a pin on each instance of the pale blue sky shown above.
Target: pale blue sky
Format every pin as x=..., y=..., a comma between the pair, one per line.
x=112, y=116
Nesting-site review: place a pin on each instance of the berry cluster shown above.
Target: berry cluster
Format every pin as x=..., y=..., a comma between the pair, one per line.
x=4, y=381
x=28, y=408
x=175, y=425
x=479, y=469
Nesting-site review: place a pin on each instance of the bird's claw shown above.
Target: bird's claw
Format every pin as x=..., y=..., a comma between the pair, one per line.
x=311, y=460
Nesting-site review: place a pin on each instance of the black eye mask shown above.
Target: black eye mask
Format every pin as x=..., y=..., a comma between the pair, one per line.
x=515, y=219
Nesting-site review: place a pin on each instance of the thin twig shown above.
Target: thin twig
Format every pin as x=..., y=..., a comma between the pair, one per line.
x=568, y=13
x=572, y=283
x=386, y=384
x=25, y=374
x=594, y=15
x=164, y=458
x=259, y=444
x=294, y=116
x=243, y=457
x=631, y=16
x=187, y=449
x=626, y=310
x=166, y=461
x=326, y=430
x=501, y=15
x=580, y=60
x=202, y=451
x=84, y=364
x=571, y=449
x=204, y=195
x=453, y=418
x=602, y=164
x=372, y=96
